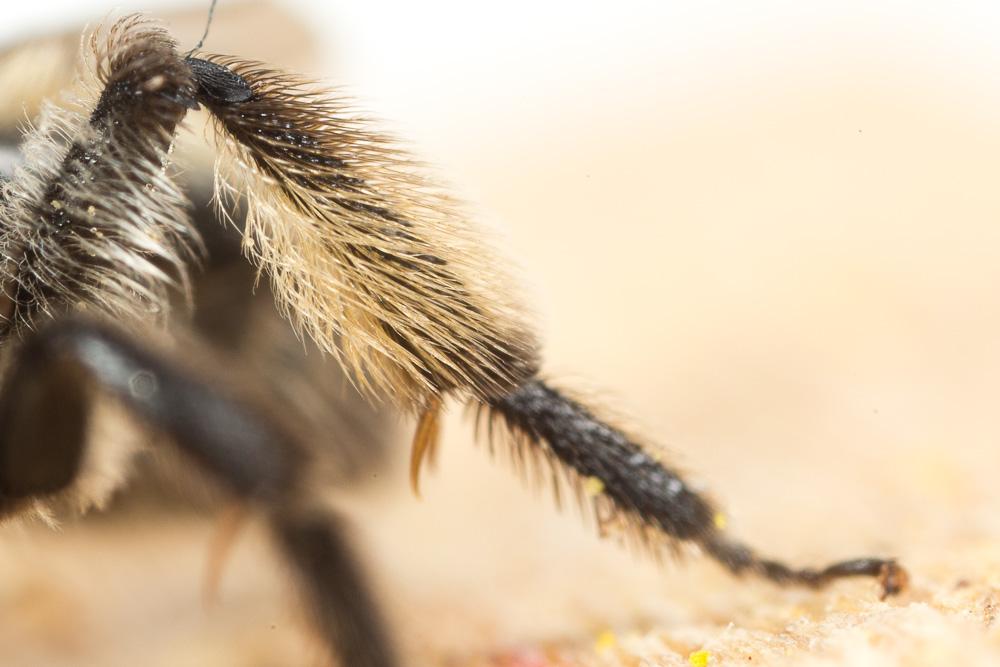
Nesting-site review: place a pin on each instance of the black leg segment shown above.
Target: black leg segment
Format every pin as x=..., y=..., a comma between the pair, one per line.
x=647, y=492
x=44, y=407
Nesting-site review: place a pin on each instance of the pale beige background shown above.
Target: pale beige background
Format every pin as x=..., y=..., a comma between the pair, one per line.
x=770, y=236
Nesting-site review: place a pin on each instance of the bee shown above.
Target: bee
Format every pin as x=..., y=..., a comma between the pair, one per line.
x=364, y=255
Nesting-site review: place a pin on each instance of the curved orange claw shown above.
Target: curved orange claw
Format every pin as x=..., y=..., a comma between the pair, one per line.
x=425, y=441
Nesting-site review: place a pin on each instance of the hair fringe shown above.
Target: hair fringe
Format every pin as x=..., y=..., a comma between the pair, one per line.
x=361, y=246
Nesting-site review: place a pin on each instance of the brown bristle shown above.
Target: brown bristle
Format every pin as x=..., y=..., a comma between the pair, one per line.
x=425, y=442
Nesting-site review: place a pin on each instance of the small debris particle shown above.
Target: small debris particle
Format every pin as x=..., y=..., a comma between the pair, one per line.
x=720, y=521
x=593, y=487
x=700, y=658
x=894, y=579
x=155, y=83
x=57, y=204
x=605, y=641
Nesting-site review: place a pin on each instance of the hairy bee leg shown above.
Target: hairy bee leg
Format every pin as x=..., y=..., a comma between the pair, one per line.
x=644, y=489
x=94, y=219
x=344, y=255
x=234, y=314
x=44, y=408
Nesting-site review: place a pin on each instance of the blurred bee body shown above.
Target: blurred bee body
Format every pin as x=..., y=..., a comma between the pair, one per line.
x=368, y=259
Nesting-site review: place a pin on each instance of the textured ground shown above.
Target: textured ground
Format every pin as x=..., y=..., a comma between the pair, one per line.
x=784, y=263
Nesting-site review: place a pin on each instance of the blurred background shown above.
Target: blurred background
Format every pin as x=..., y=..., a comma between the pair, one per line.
x=767, y=233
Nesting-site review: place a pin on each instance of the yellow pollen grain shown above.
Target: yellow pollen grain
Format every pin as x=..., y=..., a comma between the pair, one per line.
x=699, y=658
x=56, y=204
x=720, y=521
x=605, y=642
x=593, y=487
